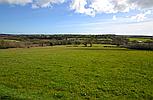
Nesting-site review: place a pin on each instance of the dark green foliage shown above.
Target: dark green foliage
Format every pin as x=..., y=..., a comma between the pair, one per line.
x=51, y=40
x=27, y=41
x=141, y=46
x=120, y=40
x=11, y=44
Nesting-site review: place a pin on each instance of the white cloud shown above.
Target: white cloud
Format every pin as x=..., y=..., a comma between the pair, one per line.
x=17, y=2
x=114, y=17
x=45, y=3
x=92, y=7
x=34, y=6
x=141, y=16
x=34, y=3
x=100, y=6
x=142, y=3
x=141, y=28
x=79, y=7
x=120, y=27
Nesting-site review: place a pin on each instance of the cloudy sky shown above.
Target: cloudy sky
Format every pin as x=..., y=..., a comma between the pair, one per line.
x=77, y=16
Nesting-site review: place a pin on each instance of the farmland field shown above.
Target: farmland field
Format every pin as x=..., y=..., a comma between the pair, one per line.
x=140, y=39
x=76, y=73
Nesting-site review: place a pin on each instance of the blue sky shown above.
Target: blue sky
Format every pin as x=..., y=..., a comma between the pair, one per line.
x=134, y=17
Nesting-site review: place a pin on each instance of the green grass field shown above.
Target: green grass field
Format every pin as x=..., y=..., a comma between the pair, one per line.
x=140, y=39
x=76, y=73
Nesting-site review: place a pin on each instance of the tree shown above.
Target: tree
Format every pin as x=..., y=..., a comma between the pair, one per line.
x=120, y=40
x=89, y=40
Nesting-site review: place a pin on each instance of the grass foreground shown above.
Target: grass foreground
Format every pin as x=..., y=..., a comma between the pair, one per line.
x=76, y=73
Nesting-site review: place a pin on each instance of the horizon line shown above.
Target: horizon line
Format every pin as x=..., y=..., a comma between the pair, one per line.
x=71, y=33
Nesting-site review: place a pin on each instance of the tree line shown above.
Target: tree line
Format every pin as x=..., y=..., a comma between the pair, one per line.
x=27, y=41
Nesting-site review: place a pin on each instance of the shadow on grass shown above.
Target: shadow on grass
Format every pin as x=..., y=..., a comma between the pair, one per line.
x=110, y=49
x=6, y=97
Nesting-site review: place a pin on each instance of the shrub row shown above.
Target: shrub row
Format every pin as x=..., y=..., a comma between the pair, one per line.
x=8, y=44
x=141, y=46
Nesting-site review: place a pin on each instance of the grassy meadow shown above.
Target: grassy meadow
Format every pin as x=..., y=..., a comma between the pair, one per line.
x=76, y=73
x=140, y=39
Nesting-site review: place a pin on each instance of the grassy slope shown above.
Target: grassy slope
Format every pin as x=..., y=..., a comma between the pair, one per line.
x=76, y=73
x=140, y=39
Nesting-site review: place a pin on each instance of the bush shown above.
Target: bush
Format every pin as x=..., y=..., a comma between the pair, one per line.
x=141, y=46
x=119, y=40
x=8, y=44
